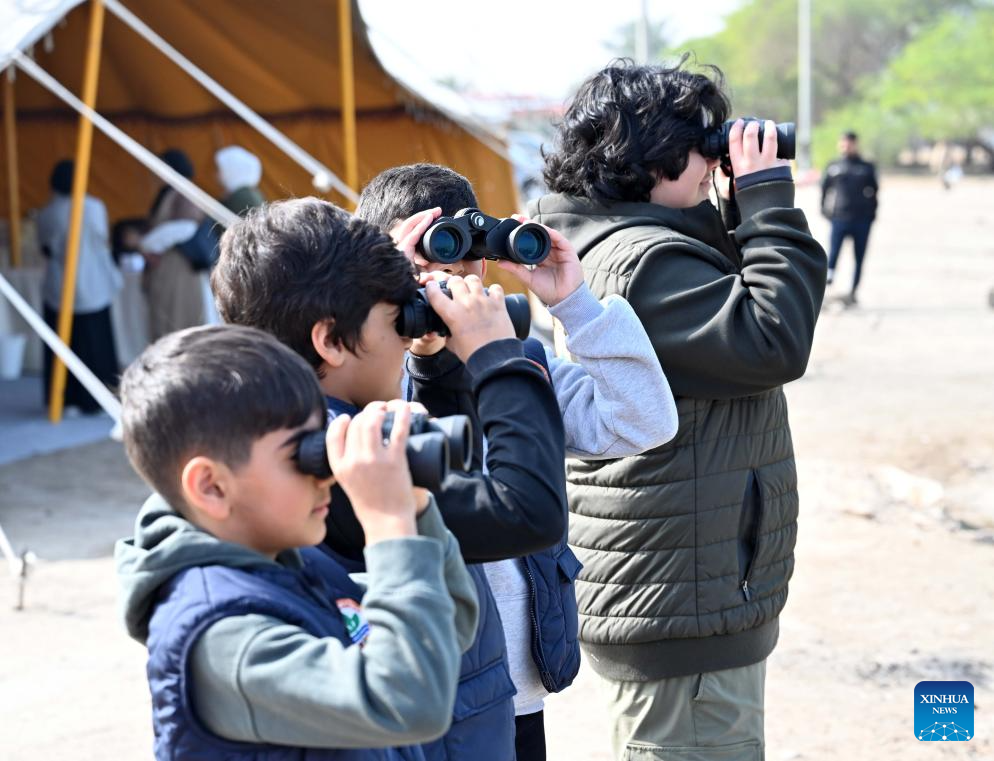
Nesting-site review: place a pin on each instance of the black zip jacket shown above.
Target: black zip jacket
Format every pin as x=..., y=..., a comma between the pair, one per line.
x=519, y=506
x=849, y=190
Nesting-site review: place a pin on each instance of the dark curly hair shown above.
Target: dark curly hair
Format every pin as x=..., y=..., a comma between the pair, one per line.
x=630, y=126
x=290, y=264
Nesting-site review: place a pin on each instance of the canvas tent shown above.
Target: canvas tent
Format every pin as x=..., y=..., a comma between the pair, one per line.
x=278, y=56
x=275, y=76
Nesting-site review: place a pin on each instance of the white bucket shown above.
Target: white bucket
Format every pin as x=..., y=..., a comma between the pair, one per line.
x=12, y=355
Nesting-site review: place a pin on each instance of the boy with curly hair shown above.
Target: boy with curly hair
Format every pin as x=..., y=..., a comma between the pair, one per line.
x=687, y=549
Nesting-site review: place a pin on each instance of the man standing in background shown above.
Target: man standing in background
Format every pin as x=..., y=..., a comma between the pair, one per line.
x=849, y=200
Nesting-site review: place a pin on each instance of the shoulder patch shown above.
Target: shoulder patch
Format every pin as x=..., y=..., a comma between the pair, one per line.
x=355, y=622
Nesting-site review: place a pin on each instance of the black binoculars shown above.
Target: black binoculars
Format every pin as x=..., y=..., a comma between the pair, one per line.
x=475, y=235
x=416, y=317
x=435, y=446
x=714, y=143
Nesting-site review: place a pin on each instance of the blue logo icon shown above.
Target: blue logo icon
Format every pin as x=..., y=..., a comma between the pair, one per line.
x=944, y=711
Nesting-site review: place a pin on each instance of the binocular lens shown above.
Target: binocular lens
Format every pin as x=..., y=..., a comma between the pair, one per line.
x=443, y=244
x=446, y=244
x=528, y=245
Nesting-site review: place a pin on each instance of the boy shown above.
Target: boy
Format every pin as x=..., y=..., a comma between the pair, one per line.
x=329, y=286
x=258, y=648
x=604, y=401
x=680, y=639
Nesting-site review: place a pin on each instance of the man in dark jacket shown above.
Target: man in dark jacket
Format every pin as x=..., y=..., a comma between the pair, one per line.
x=687, y=549
x=849, y=200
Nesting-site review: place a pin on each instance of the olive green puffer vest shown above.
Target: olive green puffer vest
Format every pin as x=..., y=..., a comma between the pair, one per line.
x=687, y=549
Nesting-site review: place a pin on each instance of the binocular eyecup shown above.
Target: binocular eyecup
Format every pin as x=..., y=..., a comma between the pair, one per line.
x=416, y=317
x=435, y=446
x=714, y=143
x=475, y=235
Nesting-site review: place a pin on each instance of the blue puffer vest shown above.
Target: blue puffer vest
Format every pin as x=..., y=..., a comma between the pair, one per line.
x=483, y=716
x=198, y=597
x=550, y=575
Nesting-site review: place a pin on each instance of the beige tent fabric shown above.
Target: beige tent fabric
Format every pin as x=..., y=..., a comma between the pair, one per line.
x=281, y=58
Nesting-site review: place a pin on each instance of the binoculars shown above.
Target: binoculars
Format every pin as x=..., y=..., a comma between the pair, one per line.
x=435, y=446
x=475, y=235
x=714, y=143
x=416, y=317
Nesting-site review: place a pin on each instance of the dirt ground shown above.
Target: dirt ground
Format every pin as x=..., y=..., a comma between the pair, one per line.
x=894, y=434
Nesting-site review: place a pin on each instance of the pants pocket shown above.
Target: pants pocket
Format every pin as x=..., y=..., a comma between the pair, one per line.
x=744, y=751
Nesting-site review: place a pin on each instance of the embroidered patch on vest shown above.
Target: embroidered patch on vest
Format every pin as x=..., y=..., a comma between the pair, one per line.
x=355, y=623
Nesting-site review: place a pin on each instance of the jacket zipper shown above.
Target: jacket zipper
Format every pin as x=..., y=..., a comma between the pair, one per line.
x=746, y=590
x=543, y=666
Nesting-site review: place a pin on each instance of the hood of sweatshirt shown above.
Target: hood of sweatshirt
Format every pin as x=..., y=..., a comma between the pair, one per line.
x=164, y=544
x=585, y=223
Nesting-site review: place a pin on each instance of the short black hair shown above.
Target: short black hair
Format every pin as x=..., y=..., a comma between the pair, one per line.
x=398, y=193
x=62, y=177
x=630, y=126
x=850, y=135
x=290, y=264
x=211, y=391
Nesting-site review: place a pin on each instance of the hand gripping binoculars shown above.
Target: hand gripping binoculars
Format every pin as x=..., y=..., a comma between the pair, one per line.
x=416, y=317
x=475, y=235
x=714, y=143
x=435, y=446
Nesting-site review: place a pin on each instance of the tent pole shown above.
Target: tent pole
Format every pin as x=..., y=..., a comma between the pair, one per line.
x=81, y=173
x=145, y=157
x=10, y=128
x=348, y=94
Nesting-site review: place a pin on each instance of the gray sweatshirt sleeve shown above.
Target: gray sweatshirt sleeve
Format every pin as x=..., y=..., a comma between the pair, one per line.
x=457, y=579
x=259, y=679
x=614, y=398
x=460, y=584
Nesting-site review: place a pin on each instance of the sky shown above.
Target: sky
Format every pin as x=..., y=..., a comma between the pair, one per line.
x=525, y=47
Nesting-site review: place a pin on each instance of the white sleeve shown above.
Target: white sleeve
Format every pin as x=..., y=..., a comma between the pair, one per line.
x=614, y=398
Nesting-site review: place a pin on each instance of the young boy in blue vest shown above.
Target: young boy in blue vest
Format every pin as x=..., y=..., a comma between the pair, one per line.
x=261, y=646
x=329, y=286
x=614, y=399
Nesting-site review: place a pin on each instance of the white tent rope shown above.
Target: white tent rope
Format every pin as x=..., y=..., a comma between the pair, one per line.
x=75, y=365
x=200, y=198
x=319, y=172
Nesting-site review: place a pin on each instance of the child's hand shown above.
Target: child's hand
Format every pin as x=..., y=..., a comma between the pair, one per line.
x=430, y=343
x=744, y=151
x=374, y=472
x=407, y=234
x=474, y=316
x=555, y=278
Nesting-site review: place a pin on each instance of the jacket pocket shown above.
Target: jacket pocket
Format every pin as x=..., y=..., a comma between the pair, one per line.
x=750, y=532
x=569, y=568
x=482, y=690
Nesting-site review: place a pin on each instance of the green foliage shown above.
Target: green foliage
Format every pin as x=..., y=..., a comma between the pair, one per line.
x=939, y=87
x=893, y=70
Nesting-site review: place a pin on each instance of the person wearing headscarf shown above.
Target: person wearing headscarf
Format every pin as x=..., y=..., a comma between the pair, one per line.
x=97, y=281
x=239, y=173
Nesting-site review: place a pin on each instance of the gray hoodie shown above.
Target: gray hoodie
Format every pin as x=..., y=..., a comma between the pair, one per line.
x=258, y=679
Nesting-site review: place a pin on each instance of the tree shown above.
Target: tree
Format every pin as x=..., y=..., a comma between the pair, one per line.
x=940, y=86
x=853, y=41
